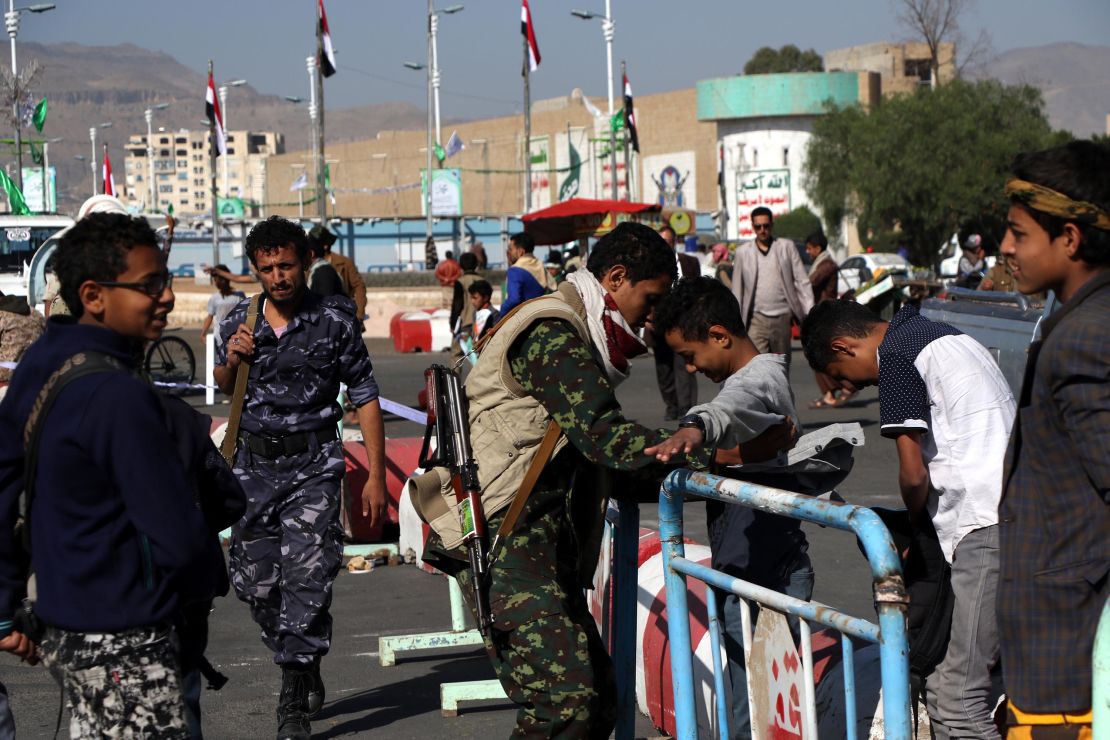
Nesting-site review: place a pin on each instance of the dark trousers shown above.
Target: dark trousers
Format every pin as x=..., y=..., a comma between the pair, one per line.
x=678, y=387
x=7, y=722
x=286, y=550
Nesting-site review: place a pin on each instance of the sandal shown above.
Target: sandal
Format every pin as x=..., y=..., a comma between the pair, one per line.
x=821, y=403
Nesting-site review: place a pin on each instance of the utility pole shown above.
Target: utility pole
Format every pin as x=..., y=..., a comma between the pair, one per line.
x=429, y=260
x=528, y=131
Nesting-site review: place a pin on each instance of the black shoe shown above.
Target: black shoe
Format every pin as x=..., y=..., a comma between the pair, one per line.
x=316, y=691
x=292, y=711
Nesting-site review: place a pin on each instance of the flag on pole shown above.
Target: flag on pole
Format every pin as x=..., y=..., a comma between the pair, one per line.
x=327, y=59
x=530, y=35
x=630, y=116
x=109, y=181
x=454, y=145
x=18, y=205
x=300, y=183
x=591, y=108
x=327, y=184
x=215, y=118
x=39, y=116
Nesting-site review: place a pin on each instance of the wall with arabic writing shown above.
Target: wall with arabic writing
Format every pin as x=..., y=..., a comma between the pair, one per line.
x=763, y=166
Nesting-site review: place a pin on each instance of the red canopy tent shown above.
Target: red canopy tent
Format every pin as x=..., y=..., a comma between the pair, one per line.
x=578, y=218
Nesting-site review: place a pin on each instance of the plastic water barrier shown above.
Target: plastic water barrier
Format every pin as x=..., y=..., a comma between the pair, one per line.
x=889, y=634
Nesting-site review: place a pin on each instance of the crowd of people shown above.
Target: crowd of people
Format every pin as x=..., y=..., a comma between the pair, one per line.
x=1014, y=493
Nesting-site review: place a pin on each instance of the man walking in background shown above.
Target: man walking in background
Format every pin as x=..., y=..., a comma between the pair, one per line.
x=527, y=278
x=352, y=279
x=770, y=282
x=677, y=385
x=221, y=302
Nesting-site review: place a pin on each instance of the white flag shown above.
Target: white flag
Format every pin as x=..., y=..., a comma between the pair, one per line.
x=593, y=111
x=300, y=183
x=454, y=145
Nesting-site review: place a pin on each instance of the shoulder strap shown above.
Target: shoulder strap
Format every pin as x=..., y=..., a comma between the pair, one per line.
x=77, y=366
x=539, y=462
x=231, y=435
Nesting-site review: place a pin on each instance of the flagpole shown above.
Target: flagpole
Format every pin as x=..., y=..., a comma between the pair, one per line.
x=213, y=148
x=527, y=131
x=321, y=196
x=627, y=133
x=429, y=259
x=607, y=30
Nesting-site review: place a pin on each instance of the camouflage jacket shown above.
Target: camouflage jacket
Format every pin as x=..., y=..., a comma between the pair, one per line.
x=294, y=379
x=17, y=333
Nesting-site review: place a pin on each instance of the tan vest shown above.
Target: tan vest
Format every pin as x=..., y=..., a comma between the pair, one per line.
x=506, y=424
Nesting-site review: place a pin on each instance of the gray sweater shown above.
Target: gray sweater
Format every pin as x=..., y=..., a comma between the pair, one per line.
x=752, y=399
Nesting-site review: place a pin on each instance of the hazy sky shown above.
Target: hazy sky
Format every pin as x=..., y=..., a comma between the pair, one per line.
x=667, y=45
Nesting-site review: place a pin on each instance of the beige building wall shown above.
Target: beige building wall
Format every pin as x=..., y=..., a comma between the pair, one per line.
x=902, y=67
x=380, y=177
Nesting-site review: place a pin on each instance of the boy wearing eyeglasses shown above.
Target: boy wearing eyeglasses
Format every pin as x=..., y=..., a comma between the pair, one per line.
x=117, y=540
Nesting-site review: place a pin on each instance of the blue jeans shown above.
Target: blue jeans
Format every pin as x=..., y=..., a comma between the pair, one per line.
x=797, y=583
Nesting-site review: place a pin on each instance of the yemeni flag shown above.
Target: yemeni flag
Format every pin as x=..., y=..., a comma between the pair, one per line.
x=630, y=116
x=109, y=181
x=530, y=36
x=327, y=59
x=215, y=118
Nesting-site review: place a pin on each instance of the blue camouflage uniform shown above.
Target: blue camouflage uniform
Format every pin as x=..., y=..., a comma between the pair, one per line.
x=287, y=548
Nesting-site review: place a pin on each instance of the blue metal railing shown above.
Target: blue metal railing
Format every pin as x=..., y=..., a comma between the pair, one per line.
x=889, y=590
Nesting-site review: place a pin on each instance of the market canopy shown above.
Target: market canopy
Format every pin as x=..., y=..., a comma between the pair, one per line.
x=579, y=218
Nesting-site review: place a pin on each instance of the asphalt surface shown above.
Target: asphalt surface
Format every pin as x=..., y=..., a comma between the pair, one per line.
x=366, y=700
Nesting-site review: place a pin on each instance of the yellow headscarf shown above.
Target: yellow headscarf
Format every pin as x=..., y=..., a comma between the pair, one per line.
x=1047, y=200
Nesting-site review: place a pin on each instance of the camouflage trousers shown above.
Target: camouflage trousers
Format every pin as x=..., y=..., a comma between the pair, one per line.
x=544, y=644
x=286, y=550
x=118, y=684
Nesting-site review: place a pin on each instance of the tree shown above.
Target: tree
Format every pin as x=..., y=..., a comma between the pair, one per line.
x=937, y=22
x=925, y=164
x=798, y=224
x=787, y=59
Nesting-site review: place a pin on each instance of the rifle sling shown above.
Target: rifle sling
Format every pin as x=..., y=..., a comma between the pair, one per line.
x=543, y=456
x=231, y=435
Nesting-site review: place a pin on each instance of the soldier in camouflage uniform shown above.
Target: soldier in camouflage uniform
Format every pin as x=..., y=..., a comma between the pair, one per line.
x=286, y=551
x=544, y=644
x=19, y=327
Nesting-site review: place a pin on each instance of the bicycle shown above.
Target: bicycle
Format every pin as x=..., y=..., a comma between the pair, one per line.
x=170, y=359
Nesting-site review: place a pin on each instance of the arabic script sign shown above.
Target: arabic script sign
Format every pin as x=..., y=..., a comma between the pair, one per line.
x=754, y=188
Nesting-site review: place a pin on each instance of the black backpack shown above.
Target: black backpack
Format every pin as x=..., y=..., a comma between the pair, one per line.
x=928, y=584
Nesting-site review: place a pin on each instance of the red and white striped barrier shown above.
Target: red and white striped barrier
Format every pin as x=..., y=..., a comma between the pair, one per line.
x=421, y=331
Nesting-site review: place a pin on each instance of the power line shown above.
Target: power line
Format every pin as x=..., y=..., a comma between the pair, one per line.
x=416, y=86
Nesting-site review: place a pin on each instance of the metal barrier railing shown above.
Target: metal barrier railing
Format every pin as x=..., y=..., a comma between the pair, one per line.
x=889, y=591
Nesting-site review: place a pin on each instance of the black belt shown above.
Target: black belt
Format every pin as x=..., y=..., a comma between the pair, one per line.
x=287, y=445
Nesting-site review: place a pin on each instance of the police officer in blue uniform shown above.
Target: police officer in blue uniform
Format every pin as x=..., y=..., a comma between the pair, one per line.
x=286, y=550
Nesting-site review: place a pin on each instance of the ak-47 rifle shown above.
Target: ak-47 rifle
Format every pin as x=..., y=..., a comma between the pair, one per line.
x=449, y=423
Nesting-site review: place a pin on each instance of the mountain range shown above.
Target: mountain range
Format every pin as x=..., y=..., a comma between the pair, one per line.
x=90, y=85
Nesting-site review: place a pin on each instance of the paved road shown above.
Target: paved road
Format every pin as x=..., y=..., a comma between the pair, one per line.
x=365, y=700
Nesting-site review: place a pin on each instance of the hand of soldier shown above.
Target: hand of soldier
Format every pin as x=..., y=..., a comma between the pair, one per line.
x=239, y=345
x=20, y=645
x=374, y=500
x=682, y=442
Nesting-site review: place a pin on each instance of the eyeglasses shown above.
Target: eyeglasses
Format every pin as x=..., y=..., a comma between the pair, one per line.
x=153, y=286
x=761, y=227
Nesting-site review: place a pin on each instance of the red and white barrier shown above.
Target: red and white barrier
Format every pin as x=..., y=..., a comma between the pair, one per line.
x=421, y=331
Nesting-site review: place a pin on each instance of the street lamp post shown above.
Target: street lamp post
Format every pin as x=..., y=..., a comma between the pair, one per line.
x=227, y=126
x=11, y=22
x=607, y=31
x=149, y=115
x=314, y=117
x=92, y=158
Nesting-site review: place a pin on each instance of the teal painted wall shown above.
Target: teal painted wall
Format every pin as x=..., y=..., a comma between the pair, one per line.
x=795, y=94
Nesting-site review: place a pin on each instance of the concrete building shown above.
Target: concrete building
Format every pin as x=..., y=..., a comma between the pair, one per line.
x=764, y=124
x=181, y=170
x=380, y=177
x=902, y=67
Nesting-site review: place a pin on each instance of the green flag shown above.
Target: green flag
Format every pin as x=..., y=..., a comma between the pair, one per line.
x=440, y=154
x=15, y=197
x=616, y=123
x=39, y=116
x=36, y=152
x=169, y=209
